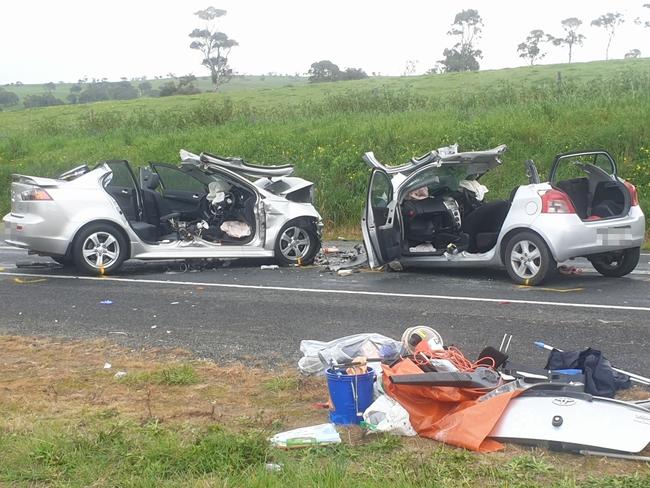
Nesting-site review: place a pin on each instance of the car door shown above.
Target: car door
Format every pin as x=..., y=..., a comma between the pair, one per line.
x=590, y=179
x=380, y=223
x=181, y=191
x=123, y=187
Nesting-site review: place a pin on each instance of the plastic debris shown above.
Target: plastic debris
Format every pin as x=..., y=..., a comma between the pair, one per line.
x=107, y=365
x=120, y=374
x=345, y=272
x=386, y=415
x=106, y=302
x=319, y=355
x=316, y=435
x=273, y=467
x=269, y=266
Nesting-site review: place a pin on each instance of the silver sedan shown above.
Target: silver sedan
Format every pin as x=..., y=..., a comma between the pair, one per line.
x=206, y=207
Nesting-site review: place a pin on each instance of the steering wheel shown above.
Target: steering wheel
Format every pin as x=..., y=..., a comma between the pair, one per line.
x=209, y=210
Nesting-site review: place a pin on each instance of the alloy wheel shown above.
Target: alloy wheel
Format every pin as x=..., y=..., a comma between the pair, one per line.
x=526, y=259
x=295, y=243
x=100, y=250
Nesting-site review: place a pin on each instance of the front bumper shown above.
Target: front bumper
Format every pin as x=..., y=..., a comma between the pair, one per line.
x=33, y=233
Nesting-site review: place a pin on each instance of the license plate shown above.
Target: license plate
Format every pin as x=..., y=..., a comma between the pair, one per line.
x=614, y=236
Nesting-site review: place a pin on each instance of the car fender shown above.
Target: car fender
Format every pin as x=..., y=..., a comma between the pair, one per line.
x=280, y=211
x=525, y=209
x=107, y=212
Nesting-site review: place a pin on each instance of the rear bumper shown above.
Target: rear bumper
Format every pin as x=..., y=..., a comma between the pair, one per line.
x=569, y=237
x=33, y=233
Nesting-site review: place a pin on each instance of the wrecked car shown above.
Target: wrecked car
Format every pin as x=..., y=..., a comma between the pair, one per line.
x=432, y=211
x=207, y=207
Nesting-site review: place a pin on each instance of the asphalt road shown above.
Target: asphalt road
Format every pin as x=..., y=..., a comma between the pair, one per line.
x=243, y=312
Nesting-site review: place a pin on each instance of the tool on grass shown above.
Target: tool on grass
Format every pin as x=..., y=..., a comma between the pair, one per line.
x=481, y=378
x=634, y=377
x=631, y=457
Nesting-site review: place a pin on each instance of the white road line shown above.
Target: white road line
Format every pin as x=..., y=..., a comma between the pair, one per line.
x=334, y=292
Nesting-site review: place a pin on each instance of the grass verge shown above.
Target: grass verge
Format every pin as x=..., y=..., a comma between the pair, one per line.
x=173, y=420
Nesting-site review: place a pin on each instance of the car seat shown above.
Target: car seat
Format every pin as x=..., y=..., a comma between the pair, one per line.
x=154, y=205
x=483, y=225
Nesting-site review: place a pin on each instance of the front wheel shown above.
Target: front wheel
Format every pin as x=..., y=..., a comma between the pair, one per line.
x=99, y=249
x=528, y=259
x=616, y=264
x=297, y=243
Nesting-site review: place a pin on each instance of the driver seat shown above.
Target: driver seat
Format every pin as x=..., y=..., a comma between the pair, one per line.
x=154, y=204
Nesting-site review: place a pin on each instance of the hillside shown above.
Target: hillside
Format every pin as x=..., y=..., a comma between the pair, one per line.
x=324, y=129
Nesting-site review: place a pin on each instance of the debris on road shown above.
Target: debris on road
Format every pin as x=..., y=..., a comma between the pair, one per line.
x=106, y=302
x=270, y=266
x=332, y=258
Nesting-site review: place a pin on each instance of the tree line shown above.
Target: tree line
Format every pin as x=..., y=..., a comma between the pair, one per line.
x=464, y=55
x=215, y=46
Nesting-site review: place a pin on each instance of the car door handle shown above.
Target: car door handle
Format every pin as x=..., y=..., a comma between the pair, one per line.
x=125, y=192
x=195, y=197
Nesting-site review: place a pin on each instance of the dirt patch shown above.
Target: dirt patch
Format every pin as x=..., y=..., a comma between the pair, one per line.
x=55, y=378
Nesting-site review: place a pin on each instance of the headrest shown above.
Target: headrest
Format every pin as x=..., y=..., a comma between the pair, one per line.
x=152, y=181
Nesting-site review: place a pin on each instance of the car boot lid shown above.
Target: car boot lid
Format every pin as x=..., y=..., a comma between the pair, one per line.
x=237, y=165
x=35, y=180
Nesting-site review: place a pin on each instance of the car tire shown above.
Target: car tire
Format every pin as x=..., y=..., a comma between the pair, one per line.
x=297, y=243
x=616, y=264
x=528, y=259
x=99, y=249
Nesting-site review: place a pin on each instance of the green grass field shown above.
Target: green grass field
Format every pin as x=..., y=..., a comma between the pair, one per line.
x=324, y=129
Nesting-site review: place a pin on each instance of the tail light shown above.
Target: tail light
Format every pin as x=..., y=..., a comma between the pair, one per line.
x=557, y=202
x=634, y=196
x=35, y=194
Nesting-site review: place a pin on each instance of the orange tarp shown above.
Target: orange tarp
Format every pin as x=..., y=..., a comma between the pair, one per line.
x=448, y=414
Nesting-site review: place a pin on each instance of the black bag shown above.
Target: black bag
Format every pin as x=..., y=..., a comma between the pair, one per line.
x=600, y=378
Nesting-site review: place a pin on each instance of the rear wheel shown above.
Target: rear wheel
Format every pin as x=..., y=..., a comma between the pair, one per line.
x=297, y=243
x=528, y=259
x=616, y=264
x=99, y=249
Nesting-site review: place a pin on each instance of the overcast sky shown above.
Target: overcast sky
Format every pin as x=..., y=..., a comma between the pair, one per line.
x=43, y=41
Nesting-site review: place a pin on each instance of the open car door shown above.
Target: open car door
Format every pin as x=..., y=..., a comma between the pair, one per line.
x=379, y=224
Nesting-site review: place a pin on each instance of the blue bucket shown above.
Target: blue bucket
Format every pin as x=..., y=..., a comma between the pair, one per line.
x=350, y=395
